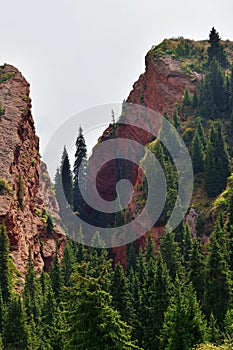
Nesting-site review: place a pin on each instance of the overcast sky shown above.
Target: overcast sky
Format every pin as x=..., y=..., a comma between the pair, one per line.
x=79, y=54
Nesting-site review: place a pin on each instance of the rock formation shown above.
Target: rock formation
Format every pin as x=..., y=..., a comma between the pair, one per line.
x=161, y=86
x=26, y=193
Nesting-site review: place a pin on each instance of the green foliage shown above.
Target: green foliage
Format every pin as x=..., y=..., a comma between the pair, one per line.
x=176, y=119
x=197, y=153
x=80, y=172
x=50, y=226
x=5, y=76
x=67, y=267
x=5, y=266
x=218, y=291
x=56, y=275
x=213, y=100
x=171, y=254
x=32, y=293
x=5, y=187
x=184, y=324
x=216, y=50
x=15, y=333
x=217, y=162
x=21, y=192
x=66, y=177
x=93, y=323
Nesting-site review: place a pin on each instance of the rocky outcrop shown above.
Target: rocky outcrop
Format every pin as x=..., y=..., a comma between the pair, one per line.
x=28, y=197
x=163, y=84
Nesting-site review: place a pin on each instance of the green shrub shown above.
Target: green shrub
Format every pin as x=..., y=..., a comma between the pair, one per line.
x=1, y=109
x=5, y=187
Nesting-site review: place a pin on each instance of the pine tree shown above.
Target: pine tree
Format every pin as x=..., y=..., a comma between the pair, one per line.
x=186, y=103
x=156, y=305
x=2, y=313
x=93, y=323
x=212, y=101
x=141, y=268
x=66, y=176
x=60, y=194
x=209, y=171
x=150, y=248
x=216, y=50
x=218, y=292
x=215, y=334
x=49, y=314
x=5, y=270
x=32, y=293
x=136, y=292
x=55, y=275
x=197, y=268
x=197, y=154
x=80, y=250
x=195, y=100
x=201, y=133
x=186, y=99
x=171, y=254
x=186, y=245
x=176, y=119
x=67, y=266
x=15, y=332
x=80, y=172
x=131, y=257
x=121, y=296
x=217, y=162
x=184, y=324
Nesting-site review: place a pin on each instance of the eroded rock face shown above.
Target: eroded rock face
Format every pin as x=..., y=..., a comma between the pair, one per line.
x=29, y=195
x=162, y=84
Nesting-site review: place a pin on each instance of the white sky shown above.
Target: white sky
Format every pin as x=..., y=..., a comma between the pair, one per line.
x=79, y=54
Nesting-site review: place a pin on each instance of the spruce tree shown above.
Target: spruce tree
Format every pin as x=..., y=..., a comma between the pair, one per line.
x=186, y=103
x=66, y=176
x=80, y=172
x=156, y=305
x=60, y=194
x=184, y=324
x=150, y=248
x=55, y=274
x=121, y=296
x=5, y=269
x=217, y=162
x=131, y=254
x=93, y=323
x=216, y=50
x=209, y=171
x=212, y=101
x=79, y=248
x=15, y=332
x=197, y=154
x=49, y=314
x=67, y=266
x=218, y=292
x=176, y=119
x=195, y=100
x=32, y=293
x=201, y=133
x=171, y=254
x=197, y=268
x=2, y=313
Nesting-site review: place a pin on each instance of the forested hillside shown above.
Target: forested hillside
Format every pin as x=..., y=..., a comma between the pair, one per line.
x=175, y=291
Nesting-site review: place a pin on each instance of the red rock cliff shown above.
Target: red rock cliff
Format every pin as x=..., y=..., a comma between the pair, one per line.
x=162, y=85
x=28, y=196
